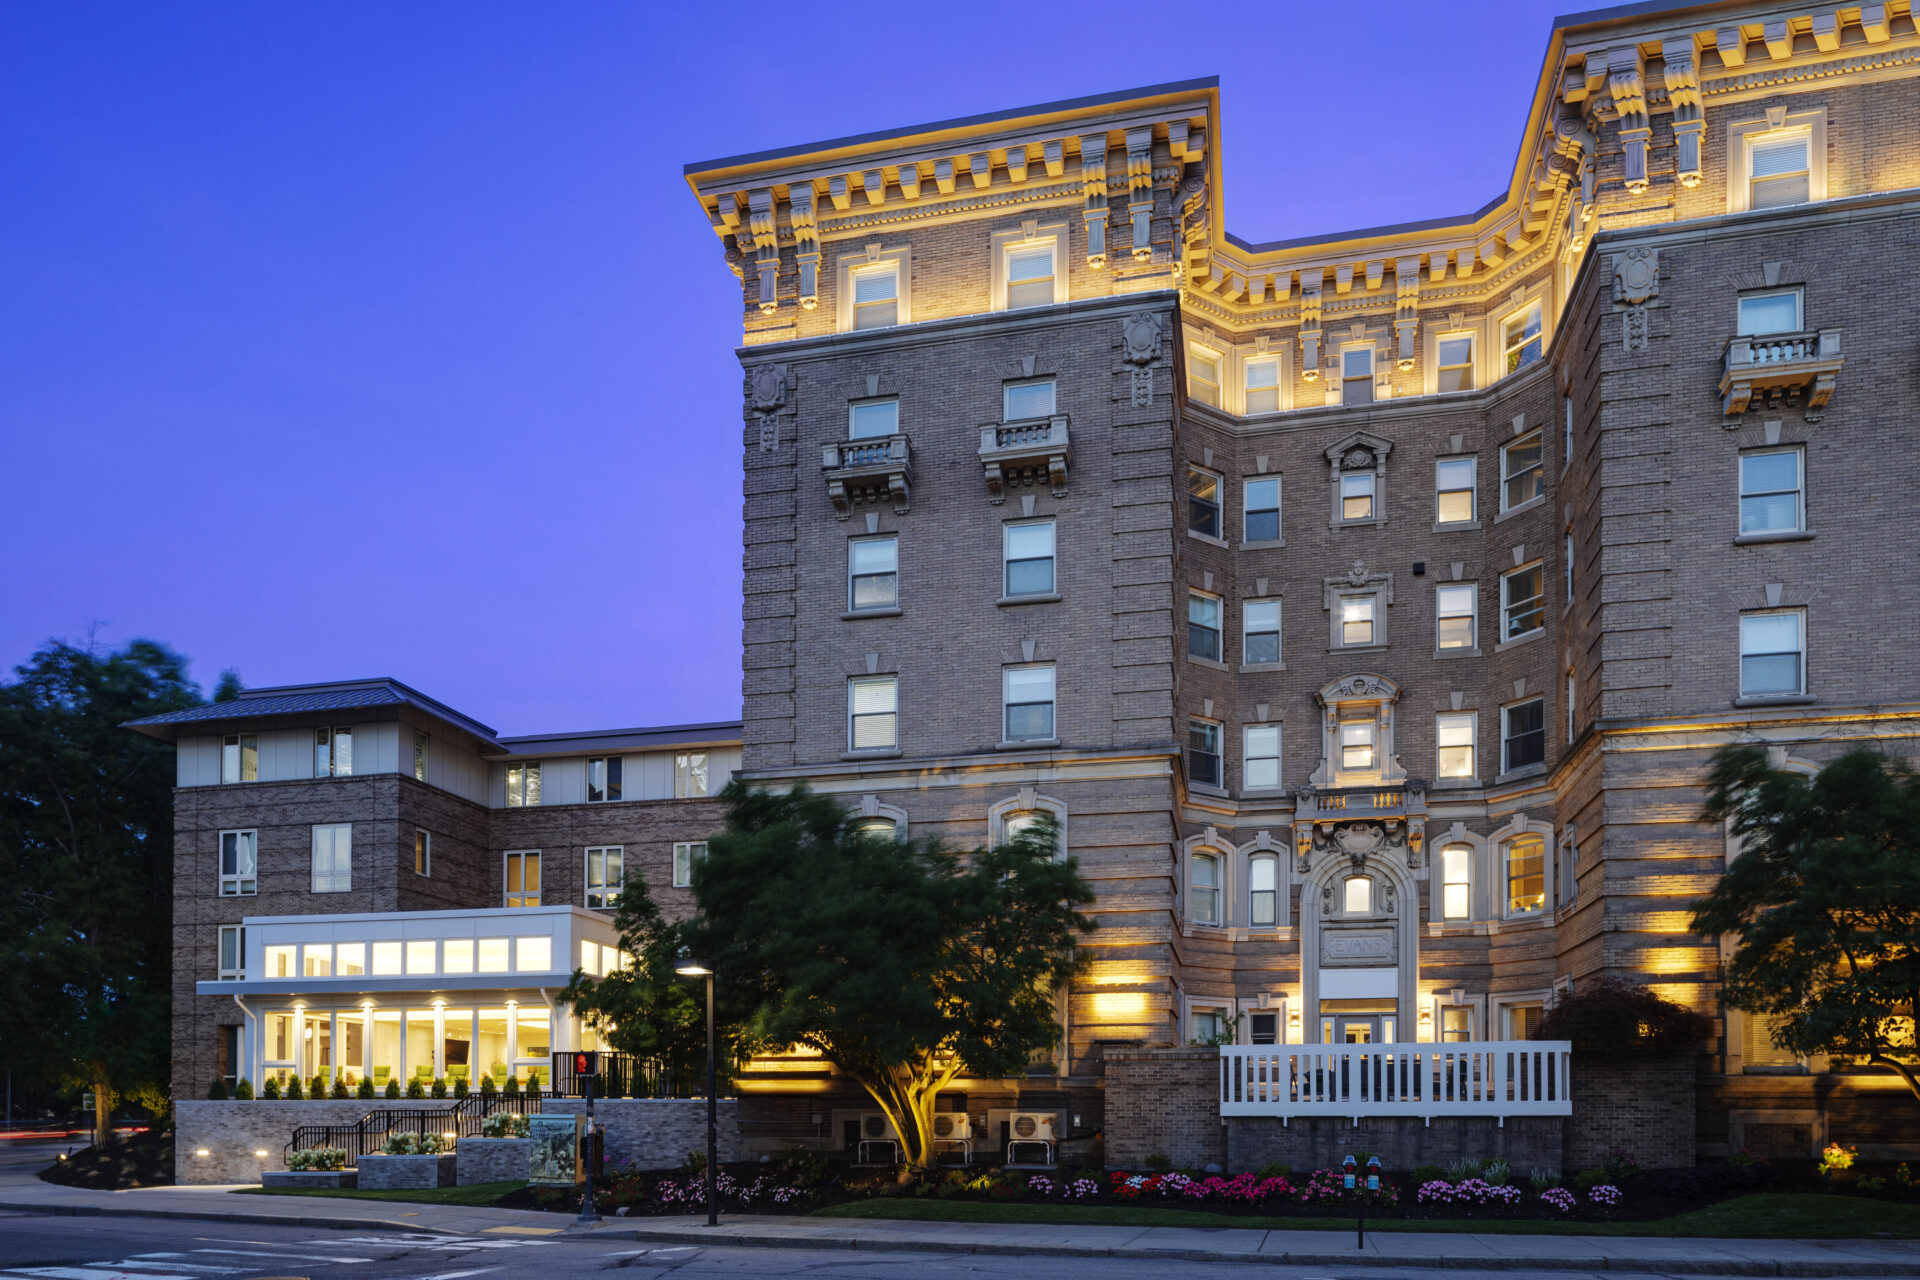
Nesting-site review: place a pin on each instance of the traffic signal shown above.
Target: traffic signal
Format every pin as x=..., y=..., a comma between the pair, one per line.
x=586, y=1064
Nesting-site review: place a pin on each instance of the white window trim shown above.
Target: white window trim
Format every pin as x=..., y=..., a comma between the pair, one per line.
x=223, y=879
x=1800, y=494
x=1219, y=629
x=1279, y=510
x=1740, y=656
x=1798, y=294
x=1377, y=371
x=1047, y=379
x=423, y=845
x=1219, y=785
x=1472, y=522
x=1279, y=635
x=1534, y=297
x=902, y=257
x=853, y=608
x=1539, y=765
x=1005, y=688
x=1223, y=368
x=1742, y=134
x=685, y=881
x=522, y=854
x=1006, y=558
x=1503, y=640
x=313, y=870
x=1337, y=633
x=1436, y=333
x=867, y=400
x=238, y=973
x=1498, y=843
x=1281, y=354
x=1437, y=908
x=1460, y=651
x=1026, y=801
x=1279, y=785
x=1502, y=474
x=689, y=756
x=586, y=882
x=877, y=677
x=1222, y=886
x=1003, y=241
x=1473, y=779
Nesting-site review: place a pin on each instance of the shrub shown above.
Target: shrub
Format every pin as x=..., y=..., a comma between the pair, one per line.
x=1872, y=1186
x=317, y=1160
x=1426, y=1173
x=217, y=1091
x=365, y=1089
x=1159, y=1163
x=460, y=1087
x=439, y=1086
x=272, y=1090
x=243, y=1090
x=1588, y=1179
x=1496, y=1173
x=340, y=1089
x=317, y=1087
x=294, y=1092
x=393, y=1088
x=1543, y=1180
x=800, y=1167
x=1836, y=1159
x=505, y=1124
x=1274, y=1169
x=1559, y=1199
x=488, y=1089
x=415, y=1089
x=1463, y=1168
x=411, y=1144
x=1606, y=1196
x=1612, y=1014
x=1620, y=1164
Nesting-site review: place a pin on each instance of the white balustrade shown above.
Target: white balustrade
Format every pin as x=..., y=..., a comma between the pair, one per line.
x=1470, y=1078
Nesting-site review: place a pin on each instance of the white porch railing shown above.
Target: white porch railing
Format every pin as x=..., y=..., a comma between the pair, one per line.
x=1473, y=1078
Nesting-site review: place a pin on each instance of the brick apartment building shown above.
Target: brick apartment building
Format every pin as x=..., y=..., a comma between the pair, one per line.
x=1364, y=607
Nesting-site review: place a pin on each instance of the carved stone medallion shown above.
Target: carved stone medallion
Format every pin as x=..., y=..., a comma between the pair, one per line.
x=1636, y=276
x=1140, y=338
x=767, y=388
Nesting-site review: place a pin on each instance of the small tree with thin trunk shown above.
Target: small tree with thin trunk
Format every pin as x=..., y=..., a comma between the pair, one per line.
x=1824, y=899
x=902, y=962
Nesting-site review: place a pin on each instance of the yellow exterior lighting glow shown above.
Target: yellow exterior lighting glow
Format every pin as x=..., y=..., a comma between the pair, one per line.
x=1120, y=1006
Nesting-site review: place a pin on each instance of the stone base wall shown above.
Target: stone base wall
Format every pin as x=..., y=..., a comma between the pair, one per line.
x=1792, y=1116
x=310, y=1178
x=657, y=1133
x=231, y=1133
x=1401, y=1142
x=1640, y=1103
x=493, y=1160
x=1164, y=1102
x=406, y=1173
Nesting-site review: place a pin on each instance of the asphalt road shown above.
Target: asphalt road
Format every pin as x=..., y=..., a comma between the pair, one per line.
x=80, y=1248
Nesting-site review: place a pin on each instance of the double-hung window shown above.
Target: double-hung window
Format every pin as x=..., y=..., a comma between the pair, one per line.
x=1453, y=736
x=1262, y=497
x=240, y=757
x=1260, y=765
x=233, y=952
x=1771, y=488
x=1773, y=653
x=685, y=854
x=1356, y=495
x=604, y=778
x=1779, y=169
x=333, y=857
x=1260, y=634
x=1205, y=909
x=1357, y=619
x=1203, y=502
x=1203, y=626
x=1456, y=362
x=604, y=876
x=1203, y=375
x=523, y=878
x=1765, y=313
x=1456, y=604
x=876, y=296
x=1357, y=739
x=1453, y=484
x=873, y=713
x=1022, y=400
x=873, y=573
x=1520, y=475
x=690, y=780
x=422, y=852
x=1263, y=888
x=1526, y=874
x=1520, y=339
x=1028, y=550
x=1356, y=375
x=1203, y=752
x=239, y=863
x=1456, y=882
x=1523, y=608
x=523, y=785
x=1027, y=701
x=869, y=419
x=1523, y=734
x=1262, y=384
x=332, y=753
x=1030, y=275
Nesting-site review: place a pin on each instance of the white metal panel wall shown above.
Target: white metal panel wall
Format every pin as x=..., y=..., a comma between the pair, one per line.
x=376, y=748
x=563, y=781
x=648, y=777
x=286, y=754
x=721, y=763
x=197, y=762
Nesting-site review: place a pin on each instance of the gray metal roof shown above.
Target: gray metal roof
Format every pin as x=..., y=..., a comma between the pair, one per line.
x=305, y=699
x=597, y=740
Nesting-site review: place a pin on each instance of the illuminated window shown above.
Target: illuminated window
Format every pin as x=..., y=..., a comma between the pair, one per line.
x=420, y=757
x=1771, y=488
x=333, y=858
x=1456, y=889
x=1453, y=731
x=1357, y=743
x=1522, y=1021
x=1262, y=498
x=422, y=852
x=1456, y=363
x=868, y=419
x=240, y=757
x=1022, y=400
x=422, y=956
x=1520, y=478
x=1526, y=874
x=1205, y=897
x=876, y=296
x=1263, y=884
x=1260, y=635
x=239, y=863
x=1453, y=483
x=1779, y=169
x=533, y=954
x=685, y=854
x=1203, y=752
x=1030, y=269
x=1456, y=1023
x=604, y=868
x=1520, y=338
x=873, y=573
x=1356, y=619
x=456, y=955
x=523, y=784
x=1203, y=502
x=1356, y=896
x=1203, y=375
x=1261, y=763
x=690, y=775
x=1356, y=495
x=1262, y=385
x=1028, y=552
x=1772, y=653
x=1356, y=375
x=873, y=713
x=604, y=777
x=523, y=878
x=1456, y=605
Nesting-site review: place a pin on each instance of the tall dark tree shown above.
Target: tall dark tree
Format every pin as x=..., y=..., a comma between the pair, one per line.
x=1824, y=900
x=86, y=851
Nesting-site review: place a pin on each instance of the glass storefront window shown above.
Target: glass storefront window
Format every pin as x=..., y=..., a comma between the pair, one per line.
x=457, y=1045
x=280, y=962
x=386, y=959
x=456, y=955
x=420, y=955
x=317, y=960
x=491, y=1052
x=419, y=1044
x=386, y=1047
x=533, y=954
x=350, y=959
x=493, y=955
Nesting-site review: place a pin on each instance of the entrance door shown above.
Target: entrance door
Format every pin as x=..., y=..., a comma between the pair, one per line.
x=1357, y=1029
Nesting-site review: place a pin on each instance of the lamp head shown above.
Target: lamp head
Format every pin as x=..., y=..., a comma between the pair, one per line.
x=687, y=967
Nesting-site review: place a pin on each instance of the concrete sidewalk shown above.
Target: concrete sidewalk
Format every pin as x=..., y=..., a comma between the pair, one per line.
x=1488, y=1252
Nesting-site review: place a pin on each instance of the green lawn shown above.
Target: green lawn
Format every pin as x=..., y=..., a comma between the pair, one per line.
x=1778, y=1216
x=480, y=1193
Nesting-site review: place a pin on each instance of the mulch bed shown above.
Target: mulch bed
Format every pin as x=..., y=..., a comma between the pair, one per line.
x=131, y=1160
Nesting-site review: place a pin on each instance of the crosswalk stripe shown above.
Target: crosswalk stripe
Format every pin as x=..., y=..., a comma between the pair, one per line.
x=164, y=1260
x=263, y=1253
x=103, y=1272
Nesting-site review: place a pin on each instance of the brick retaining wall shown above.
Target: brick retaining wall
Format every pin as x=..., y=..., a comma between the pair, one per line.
x=1640, y=1102
x=493, y=1160
x=1164, y=1102
x=230, y=1132
x=657, y=1133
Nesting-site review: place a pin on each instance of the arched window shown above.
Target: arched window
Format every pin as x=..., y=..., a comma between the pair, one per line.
x=1357, y=896
x=1263, y=880
x=1205, y=900
x=884, y=828
x=1526, y=874
x=1456, y=876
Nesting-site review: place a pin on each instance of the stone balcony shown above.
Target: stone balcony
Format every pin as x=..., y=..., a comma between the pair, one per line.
x=1775, y=370
x=1025, y=453
x=868, y=471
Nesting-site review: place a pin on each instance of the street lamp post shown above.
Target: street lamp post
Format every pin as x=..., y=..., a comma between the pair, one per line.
x=687, y=967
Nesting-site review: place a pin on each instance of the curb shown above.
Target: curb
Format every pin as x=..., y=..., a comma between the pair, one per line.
x=1670, y=1266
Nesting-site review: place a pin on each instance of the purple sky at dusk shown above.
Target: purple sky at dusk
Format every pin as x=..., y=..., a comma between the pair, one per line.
x=352, y=339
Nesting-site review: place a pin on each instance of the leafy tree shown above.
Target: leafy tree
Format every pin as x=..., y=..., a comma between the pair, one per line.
x=229, y=688
x=86, y=850
x=1614, y=1014
x=901, y=963
x=1825, y=901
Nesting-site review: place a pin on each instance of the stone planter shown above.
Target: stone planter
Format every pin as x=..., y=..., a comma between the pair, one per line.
x=310, y=1179
x=406, y=1173
x=493, y=1160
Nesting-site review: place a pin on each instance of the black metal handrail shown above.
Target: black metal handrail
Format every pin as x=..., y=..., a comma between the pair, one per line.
x=464, y=1118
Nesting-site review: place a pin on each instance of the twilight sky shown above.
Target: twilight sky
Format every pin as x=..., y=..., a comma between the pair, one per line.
x=358, y=339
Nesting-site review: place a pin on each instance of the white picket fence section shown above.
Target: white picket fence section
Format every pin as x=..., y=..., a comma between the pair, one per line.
x=1470, y=1078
